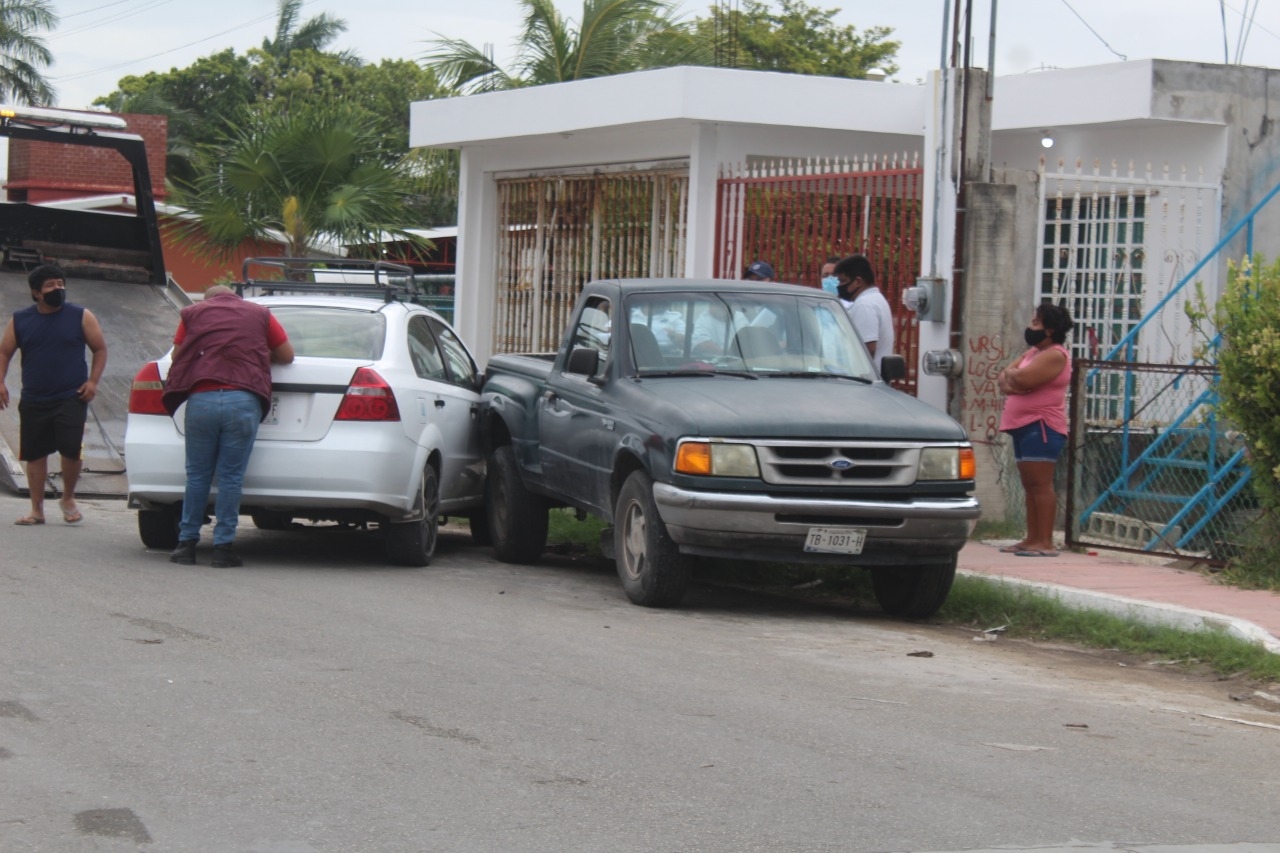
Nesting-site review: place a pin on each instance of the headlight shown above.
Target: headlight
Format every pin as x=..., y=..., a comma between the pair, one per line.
x=947, y=463
x=717, y=459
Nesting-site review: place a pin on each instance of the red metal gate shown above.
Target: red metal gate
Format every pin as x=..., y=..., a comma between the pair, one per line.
x=794, y=214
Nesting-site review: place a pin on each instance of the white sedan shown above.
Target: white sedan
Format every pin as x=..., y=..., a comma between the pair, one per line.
x=374, y=422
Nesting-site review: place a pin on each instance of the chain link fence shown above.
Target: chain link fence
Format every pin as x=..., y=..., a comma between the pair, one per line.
x=1151, y=466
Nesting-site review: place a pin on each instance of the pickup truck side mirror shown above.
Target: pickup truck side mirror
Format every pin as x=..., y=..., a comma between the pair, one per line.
x=893, y=368
x=583, y=361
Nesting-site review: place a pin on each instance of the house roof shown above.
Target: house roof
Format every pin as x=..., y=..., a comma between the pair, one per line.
x=689, y=95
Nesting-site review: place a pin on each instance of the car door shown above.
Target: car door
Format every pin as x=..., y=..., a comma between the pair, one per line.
x=575, y=431
x=445, y=413
x=464, y=376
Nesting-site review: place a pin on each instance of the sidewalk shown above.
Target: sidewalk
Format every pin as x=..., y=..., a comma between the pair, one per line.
x=1136, y=586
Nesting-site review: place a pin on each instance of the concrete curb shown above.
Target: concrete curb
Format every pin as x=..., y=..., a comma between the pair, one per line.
x=1149, y=612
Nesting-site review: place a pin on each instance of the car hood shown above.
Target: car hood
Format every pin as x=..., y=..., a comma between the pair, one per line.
x=733, y=407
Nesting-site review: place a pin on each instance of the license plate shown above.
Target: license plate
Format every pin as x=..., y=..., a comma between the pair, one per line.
x=835, y=540
x=273, y=417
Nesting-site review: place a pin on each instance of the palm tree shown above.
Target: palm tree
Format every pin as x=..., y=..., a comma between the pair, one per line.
x=24, y=55
x=319, y=173
x=315, y=33
x=614, y=37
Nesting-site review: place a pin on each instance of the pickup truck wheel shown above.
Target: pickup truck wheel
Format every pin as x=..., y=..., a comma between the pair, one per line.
x=517, y=517
x=653, y=571
x=158, y=528
x=479, y=524
x=913, y=592
x=413, y=543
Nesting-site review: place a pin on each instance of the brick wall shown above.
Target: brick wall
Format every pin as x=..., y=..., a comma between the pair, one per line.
x=50, y=171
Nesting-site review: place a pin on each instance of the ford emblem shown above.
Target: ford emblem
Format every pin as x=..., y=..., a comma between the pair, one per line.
x=841, y=464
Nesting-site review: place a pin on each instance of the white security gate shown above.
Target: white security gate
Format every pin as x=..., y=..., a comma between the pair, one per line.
x=559, y=231
x=1112, y=247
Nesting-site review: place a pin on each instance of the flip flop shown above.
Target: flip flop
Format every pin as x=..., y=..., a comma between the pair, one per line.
x=29, y=521
x=1011, y=549
x=1032, y=553
x=73, y=517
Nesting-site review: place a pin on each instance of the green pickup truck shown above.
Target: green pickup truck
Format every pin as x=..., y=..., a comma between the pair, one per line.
x=727, y=419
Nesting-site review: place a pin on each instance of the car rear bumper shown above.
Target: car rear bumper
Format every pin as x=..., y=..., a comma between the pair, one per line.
x=765, y=527
x=356, y=466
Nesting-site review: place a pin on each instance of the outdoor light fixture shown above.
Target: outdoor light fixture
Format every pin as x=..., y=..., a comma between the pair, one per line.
x=1046, y=139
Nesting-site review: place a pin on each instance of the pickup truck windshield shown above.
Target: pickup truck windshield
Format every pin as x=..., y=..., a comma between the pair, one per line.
x=763, y=334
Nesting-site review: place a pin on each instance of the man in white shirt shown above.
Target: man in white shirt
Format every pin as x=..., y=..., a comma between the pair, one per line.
x=868, y=309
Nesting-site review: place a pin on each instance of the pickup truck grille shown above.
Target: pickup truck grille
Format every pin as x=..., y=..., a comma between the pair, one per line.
x=844, y=463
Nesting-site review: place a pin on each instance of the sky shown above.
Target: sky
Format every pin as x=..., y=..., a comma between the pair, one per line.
x=100, y=41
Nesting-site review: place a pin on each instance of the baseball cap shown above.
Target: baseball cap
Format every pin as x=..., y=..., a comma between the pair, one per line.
x=760, y=269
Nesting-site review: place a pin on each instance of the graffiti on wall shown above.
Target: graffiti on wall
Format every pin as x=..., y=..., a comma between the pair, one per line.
x=985, y=358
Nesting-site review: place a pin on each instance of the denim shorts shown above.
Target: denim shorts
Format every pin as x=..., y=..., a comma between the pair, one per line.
x=1037, y=443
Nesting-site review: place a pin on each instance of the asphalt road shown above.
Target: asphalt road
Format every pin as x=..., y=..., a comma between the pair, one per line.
x=317, y=700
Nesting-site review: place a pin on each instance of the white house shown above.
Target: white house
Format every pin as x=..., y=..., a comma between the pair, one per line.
x=1151, y=161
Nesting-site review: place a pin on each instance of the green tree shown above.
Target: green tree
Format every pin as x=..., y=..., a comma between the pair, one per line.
x=797, y=38
x=311, y=174
x=612, y=37
x=24, y=54
x=292, y=33
x=1248, y=318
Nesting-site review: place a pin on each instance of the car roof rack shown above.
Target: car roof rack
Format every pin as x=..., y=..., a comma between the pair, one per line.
x=333, y=277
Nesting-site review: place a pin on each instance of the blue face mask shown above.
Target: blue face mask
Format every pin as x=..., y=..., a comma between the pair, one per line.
x=830, y=284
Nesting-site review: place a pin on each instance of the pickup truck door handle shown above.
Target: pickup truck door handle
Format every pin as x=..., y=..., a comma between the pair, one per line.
x=439, y=403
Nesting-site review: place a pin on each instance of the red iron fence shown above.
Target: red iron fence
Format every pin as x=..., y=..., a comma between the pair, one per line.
x=795, y=213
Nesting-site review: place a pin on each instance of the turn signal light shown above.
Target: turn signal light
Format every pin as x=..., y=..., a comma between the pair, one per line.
x=693, y=458
x=968, y=464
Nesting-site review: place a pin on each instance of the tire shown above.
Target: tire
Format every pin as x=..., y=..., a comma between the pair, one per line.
x=913, y=592
x=479, y=524
x=653, y=571
x=158, y=528
x=413, y=543
x=264, y=519
x=517, y=518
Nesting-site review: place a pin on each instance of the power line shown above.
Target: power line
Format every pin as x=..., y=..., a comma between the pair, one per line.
x=129, y=62
x=119, y=16
x=1095, y=32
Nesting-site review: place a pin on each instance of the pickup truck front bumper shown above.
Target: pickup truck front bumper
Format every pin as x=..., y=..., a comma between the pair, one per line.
x=765, y=527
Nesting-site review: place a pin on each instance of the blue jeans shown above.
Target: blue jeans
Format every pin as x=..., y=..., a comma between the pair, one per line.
x=220, y=429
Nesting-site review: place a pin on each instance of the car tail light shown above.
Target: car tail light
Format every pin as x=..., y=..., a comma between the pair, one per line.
x=368, y=398
x=144, y=396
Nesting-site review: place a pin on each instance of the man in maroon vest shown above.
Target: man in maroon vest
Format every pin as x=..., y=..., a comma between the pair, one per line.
x=57, y=385
x=222, y=356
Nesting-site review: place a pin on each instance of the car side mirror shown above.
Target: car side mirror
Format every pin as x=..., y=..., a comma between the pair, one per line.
x=583, y=361
x=893, y=368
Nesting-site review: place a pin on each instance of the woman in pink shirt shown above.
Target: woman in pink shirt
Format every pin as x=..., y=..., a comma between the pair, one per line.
x=1035, y=416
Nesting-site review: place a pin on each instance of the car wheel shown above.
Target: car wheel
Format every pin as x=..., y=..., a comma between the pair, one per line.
x=653, y=571
x=479, y=524
x=158, y=528
x=517, y=517
x=413, y=543
x=267, y=520
x=913, y=592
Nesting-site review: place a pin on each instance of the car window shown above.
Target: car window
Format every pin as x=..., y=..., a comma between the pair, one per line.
x=424, y=352
x=462, y=370
x=741, y=330
x=326, y=332
x=594, y=330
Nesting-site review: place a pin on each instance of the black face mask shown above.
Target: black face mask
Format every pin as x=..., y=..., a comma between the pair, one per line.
x=54, y=298
x=1034, y=337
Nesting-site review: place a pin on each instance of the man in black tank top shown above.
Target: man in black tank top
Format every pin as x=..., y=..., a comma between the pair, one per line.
x=57, y=385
